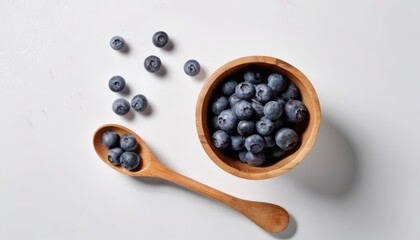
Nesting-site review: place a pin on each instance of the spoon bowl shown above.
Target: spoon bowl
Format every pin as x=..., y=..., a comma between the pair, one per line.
x=268, y=216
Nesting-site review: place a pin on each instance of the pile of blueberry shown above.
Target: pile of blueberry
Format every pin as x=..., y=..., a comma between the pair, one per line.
x=121, y=149
x=152, y=64
x=256, y=116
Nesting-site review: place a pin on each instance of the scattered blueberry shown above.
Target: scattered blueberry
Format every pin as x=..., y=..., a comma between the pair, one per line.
x=128, y=142
x=277, y=82
x=130, y=160
x=291, y=92
x=139, y=103
x=110, y=139
x=228, y=88
x=273, y=110
x=245, y=90
x=255, y=159
x=114, y=156
x=233, y=99
x=286, y=138
x=221, y=139
x=263, y=93
x=219, y=105
x=160, y=39
x=237, y=142
x=254, y=77
x=246, y=128
x=121, y=106
x=295, y=111
x=116, y=83
x=117, y=43
x=258, y=107
x=254, y=143
x=227, y=120
x=152, y=63
x=264, y=126
x=243, y=110
x=191, y=67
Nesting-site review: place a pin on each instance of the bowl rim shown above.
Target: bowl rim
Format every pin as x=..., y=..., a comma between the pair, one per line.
x=303, y=150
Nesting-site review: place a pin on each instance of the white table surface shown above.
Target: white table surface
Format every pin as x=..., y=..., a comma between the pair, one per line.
x=359, y=182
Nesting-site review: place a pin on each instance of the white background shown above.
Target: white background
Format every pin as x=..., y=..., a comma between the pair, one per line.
x=359, y=182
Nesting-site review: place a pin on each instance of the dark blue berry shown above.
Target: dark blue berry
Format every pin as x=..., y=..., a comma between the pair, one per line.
x=291, y=92
x=117, y=43
x=128, y=142
x=255, y=159
x=228, y=88
x=245, y=127
x=254, y=143
x=221, y=139
x=277, y=82
x=286, y=138
x=258, y=107
x=152, y=63
x=160, y=39
x=114, y=156
x=130, y=160
x=245, y=90
x=263, y=93
x=110, y=139
x=139, y=103
x=191, y=67
x=219, y=105
x=243, y=110
x=116, y=83
x=121, y=106
x=295, y=111
x=269, y=141
x=253, y=77
x=233, y=99
x=264, y=126
x=237, y=142
x=227, y=120
x=273, y=110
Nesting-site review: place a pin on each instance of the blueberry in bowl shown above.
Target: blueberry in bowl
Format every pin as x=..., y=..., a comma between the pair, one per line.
x=257, y=117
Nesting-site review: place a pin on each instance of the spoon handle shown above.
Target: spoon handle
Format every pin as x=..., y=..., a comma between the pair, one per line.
x=268, y=216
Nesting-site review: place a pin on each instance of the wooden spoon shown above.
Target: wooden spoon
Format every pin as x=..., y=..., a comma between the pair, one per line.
x=268, y=216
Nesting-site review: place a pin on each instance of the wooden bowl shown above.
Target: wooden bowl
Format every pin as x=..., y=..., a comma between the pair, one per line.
x=231, y=164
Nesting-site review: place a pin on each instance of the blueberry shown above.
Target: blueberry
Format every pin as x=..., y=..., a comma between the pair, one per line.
x=110, y=139
x=228, y=88
x=278, y=123
x=277, y=82
x=258, y=107
x=128, y=142
x=254, y=77
x=152, y=63
x=227, y=120
x=255, y=159
x=139, y=103
x=237, y=142
x=243, y=110
x=117, y=43
x=219, y=105
x=191, y=67
x=130, y=160
x=215, y=123
x=264, y=126
x=286, y=138
x=254, y=143
x=263, y=93
x=269, y=141
x=233, y=99
x=121, y=106
x=221, y=139
x=295, y=111
x=116, y=83
x=291, y=92
x=160, y=39
x=114, y=156
x=245, y=90
x=241, y=156
x=273, y=110
x=246, y=128
x=281, y=102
